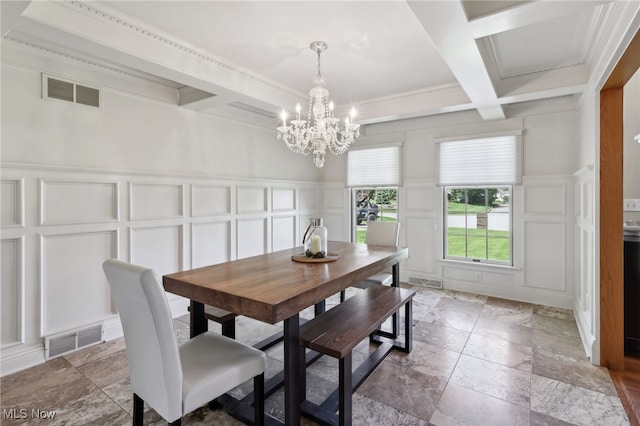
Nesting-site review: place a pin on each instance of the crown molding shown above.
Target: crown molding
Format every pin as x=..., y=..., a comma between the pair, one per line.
x=128, y=24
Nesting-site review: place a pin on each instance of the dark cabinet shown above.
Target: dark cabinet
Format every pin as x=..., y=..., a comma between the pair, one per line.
x=632, y=293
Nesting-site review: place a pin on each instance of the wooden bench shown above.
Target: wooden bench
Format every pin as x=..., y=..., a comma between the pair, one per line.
x=222, y=317
x=337, y=331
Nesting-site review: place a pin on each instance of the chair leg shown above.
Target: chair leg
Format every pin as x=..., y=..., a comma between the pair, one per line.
x=258, y=400
x=343, y=296
x=214, y=405
x=138, y=410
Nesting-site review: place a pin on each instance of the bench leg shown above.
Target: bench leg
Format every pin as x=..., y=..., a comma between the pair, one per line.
x=344, y=389
x=408, y=326
x=395, y=273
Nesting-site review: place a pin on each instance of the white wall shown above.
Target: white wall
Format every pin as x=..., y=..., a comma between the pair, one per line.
x=137, y=179
x=631, y=164
x=543, y=226
x=134, y=133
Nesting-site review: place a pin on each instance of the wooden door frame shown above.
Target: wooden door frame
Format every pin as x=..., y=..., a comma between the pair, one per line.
x=611, y=213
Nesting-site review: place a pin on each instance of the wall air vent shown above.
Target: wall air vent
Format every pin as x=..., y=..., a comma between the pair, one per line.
x=54, y=88
x=64, y=343
x=425, y=283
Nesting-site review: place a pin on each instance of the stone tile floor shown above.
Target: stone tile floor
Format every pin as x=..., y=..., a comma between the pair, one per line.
x=476, y=360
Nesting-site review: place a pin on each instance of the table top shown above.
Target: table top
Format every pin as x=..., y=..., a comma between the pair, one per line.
x=272, y=287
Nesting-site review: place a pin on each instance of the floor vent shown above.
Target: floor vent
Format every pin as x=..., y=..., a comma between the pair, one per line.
x=425, y=282
x=61, y=344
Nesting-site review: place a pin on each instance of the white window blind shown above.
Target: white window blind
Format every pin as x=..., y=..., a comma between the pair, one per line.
x=374, y=167
x=484, y=161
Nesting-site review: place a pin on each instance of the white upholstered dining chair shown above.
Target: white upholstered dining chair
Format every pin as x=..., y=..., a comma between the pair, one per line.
x=175, y=379
x=383, y=234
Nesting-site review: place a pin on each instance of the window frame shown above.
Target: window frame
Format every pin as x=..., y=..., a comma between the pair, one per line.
x=353, y=209
x=475, y=260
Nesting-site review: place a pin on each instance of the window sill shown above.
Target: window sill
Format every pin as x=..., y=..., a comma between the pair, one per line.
x=478, y=265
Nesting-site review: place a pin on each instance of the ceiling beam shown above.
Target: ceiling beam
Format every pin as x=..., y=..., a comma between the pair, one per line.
x=525, y=14
x=10, y=11
x=446, y=24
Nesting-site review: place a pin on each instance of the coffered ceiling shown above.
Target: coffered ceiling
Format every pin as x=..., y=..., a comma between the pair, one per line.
x=391, y=59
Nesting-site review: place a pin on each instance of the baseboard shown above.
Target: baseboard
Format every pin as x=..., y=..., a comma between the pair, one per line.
x=112, y=328
x=25, y=358
x=511, y=293
x=586, y=336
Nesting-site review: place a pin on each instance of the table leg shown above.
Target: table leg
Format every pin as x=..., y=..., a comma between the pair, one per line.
x=395, y=272
x=294, y=374
x=198, y=323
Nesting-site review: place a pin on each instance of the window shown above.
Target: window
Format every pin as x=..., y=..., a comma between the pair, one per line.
x=369, y=204
x=477, y=176
x=478, y=224
x=374, y=176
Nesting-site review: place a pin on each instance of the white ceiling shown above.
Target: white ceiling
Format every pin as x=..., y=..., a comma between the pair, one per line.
x=391, y=59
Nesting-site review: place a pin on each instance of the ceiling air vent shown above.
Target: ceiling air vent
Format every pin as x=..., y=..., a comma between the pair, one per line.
x=54, y=88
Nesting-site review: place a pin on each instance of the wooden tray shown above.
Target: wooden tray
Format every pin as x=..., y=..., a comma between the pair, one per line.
x=331, y=257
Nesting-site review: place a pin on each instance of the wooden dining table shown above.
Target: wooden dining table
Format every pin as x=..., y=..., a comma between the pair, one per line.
x=272, y=288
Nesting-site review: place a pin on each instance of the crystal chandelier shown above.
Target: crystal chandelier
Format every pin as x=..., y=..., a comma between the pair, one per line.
x=321, y=130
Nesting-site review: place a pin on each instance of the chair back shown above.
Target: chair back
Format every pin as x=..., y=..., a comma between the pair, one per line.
x=383, y=233
x=152, y=348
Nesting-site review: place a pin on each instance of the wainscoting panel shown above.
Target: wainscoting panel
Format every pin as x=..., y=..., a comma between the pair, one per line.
x=544, y=255
x=420, y=198
x=60, y=224
x=333, y=198
x=544, y=199
x=487, y=279
x=74, y=290
x=72, y=202
x=210, y=200
x=155, y=201
x=584, y=243
x=421, y=238
x=252, y=199
x=283, y=199
x=252, y=237
x=157, y=247
x=334, y=224
x=12, y=292
x=283, y=231
x=419, y=230
x=210, y=243
x=308, y=199
x=12, y=203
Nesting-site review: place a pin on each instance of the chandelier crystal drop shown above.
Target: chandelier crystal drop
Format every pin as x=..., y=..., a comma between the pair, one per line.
x=321, y=130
